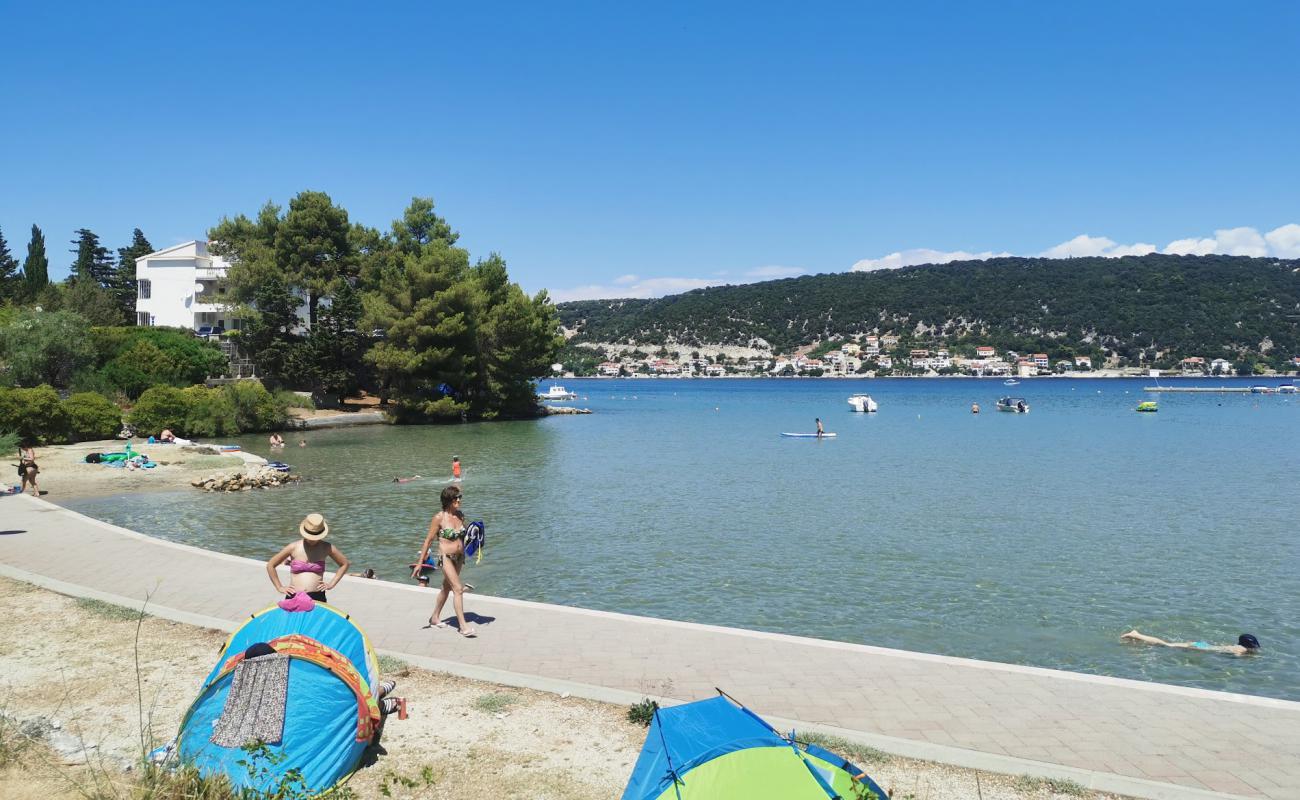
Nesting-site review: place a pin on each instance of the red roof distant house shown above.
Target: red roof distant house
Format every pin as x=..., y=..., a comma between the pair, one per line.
x=1197, y=360
x=984, y=351
x=1042, y=360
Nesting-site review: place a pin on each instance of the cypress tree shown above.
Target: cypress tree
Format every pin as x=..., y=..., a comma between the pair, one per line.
x=93, y=260
x=123, y=282
x=36, y=269
x=8, y=267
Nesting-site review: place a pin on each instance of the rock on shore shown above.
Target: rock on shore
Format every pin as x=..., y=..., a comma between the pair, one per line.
x=238, y=481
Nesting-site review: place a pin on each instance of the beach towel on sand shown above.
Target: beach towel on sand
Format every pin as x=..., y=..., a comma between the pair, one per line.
x=254, y=708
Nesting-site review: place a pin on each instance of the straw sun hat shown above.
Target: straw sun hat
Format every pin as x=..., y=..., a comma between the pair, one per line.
x=313, y=528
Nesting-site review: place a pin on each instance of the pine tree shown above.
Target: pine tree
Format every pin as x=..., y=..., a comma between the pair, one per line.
x=93, y=260
x=123, y=284
x=8, y=268
x=36, y=269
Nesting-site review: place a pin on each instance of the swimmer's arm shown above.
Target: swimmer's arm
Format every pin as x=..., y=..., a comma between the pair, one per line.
x=343, y=563
x=275, y=561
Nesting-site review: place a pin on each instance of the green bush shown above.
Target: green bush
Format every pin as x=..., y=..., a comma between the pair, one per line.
x=290, y=399
x=34, y=414
x=160, y=407
x=132, y=359
x=40, y=347
x=91, y=416
x=255, y=408
x=242, y=407
x=642, y=713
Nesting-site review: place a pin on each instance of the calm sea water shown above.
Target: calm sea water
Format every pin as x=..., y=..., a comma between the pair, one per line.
x=1031, y=539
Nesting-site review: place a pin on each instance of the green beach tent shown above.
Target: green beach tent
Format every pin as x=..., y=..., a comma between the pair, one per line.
x=716, y=749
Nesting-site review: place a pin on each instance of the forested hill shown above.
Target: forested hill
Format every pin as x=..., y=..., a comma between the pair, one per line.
x=1188, y=305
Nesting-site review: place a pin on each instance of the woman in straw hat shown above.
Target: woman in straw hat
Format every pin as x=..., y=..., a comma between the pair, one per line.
x=306, y=559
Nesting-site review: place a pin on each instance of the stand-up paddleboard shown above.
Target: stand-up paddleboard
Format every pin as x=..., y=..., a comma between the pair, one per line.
x=808, y=435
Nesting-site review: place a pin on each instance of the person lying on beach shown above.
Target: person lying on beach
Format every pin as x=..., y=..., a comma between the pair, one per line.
x=1246, y=644
x=167, y=436
x=306, y=559
x=406, y=480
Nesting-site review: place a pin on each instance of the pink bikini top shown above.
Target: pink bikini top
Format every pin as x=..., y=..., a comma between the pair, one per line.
x=296, y=566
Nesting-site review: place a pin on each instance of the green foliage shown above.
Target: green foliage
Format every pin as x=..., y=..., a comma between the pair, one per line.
x=642, y=713
x=312, y=246
x=34, y=414
x=108, y=611
x=8, y=269
x=44, y=347
x=198, y=411
x=255, y=409
x=91, y=416
x=1185, y=305
x=135, y=358
x=123, y=283
x=36, y=267
x=331, y=355
x=289, y=399
x=93, y=262
x=391, y=666
x=495, y=702
x=89, y=300
x=160, y=407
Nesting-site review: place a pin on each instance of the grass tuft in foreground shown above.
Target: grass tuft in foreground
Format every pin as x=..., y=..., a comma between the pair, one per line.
x=642, y=713
x=109, y=611
x=860, y=754
x=495, y=702
x=1031, y=783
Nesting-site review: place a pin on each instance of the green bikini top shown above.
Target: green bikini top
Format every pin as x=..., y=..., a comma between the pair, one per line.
x=451, y=534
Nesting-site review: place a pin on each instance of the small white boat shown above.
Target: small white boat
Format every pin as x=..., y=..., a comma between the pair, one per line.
x=809, y=435
x=1261, y=390
x=1286, y=388
x=1015, y=405
x=1011, y=382
x=557, y=392
x=863, y=402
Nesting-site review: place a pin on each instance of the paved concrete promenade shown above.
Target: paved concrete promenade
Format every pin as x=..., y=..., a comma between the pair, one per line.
x=1128, y=737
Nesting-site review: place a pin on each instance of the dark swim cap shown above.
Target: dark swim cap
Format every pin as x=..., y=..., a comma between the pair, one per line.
x=1248, y=641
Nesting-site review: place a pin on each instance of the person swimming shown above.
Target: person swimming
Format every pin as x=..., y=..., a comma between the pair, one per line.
x=407, y=480
x=1246, y=644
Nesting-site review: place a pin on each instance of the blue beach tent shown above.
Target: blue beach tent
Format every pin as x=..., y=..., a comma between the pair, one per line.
x=324, y=716
x=716, y=749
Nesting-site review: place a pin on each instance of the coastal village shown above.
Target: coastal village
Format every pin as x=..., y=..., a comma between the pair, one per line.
x=887, y=355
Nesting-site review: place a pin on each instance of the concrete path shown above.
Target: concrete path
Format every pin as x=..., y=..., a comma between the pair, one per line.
x=1128, y=737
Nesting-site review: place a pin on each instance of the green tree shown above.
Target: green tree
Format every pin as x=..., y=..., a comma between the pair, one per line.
x=90, y=300
x=249, y=244
x=8, y=269
x=419, y=226
x=313, y=248
x=427, y=359
x=517, y=340
x=123, y=283
x=270, y=334
x=93, y=262
x=335, y=347
x=46, y=347
x=36, y=268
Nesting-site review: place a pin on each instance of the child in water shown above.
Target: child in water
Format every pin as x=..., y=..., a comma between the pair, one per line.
x=455, y=468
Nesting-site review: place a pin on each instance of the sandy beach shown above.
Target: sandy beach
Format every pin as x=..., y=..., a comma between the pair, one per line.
x=65, y=473
x=463, y=739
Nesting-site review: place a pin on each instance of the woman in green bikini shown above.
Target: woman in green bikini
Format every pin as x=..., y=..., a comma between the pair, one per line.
x=448, y=528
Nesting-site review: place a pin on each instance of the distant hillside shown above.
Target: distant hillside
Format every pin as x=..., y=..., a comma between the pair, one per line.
x=1172, y=305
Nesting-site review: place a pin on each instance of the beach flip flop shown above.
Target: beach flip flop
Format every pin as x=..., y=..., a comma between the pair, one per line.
x=468, y=632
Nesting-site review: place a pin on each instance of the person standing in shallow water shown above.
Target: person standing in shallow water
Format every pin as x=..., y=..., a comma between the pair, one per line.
x=455, y=468
x=448, y=529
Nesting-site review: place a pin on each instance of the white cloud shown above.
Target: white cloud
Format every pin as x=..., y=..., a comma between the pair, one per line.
x=774, y=272
x=625, y=280
x=908, y=258
x=1283, y=242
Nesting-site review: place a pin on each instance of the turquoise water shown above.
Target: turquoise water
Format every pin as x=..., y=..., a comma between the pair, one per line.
x=1030, y=539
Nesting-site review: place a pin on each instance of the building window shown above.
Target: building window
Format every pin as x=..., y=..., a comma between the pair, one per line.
x=142, y=318
x=146, y=289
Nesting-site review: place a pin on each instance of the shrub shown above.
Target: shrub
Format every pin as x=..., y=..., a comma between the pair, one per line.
x=642, y=713
x=134, y=358
x=208, y=412
x=160, y=407
x=33, y=414
x=45, y=347
x=255, y=409
x=91, y=416
x=290, y=399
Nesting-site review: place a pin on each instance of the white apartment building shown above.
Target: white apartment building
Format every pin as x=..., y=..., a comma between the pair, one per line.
x=182, y=287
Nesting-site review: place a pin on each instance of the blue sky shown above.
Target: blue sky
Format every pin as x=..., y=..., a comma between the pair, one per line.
x=619, y=149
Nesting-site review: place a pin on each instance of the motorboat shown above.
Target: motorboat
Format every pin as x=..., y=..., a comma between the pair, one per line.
x=1261, y=390
x=557, y=392
x=1015, y=405
x=1011, y=382
x=1286, y=388
x=1147, y=406
x=863, y=402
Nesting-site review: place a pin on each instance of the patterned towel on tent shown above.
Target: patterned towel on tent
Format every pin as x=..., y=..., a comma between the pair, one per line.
x=255, y=706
